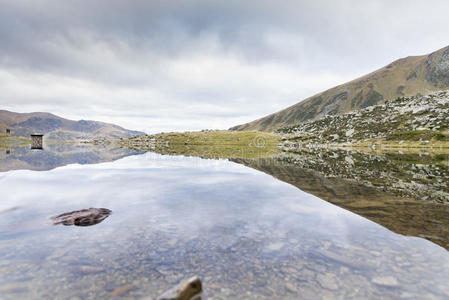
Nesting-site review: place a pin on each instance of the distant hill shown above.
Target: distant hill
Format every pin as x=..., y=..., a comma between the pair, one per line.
x=57, y=128
x=405, y=77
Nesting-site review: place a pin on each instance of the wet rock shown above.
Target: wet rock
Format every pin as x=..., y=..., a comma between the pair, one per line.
x=385, y=281
x=186, y=290
x=291, y=287
x=275, y=246
x=121, y=290
x=83, y=217
x=327, y=281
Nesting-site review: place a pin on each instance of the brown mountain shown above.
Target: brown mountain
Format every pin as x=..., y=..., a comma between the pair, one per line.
x=57, y=128
x=404, y=77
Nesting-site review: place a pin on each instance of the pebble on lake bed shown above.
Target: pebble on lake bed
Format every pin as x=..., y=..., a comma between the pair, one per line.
x=86, y=269
x=385, y=281
x=120, y=291
x=327, y=281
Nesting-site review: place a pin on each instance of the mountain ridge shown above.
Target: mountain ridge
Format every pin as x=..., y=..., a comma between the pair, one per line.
x=406, y=76
x=58, y=128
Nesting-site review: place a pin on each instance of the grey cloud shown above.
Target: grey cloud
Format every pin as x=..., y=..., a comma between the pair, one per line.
x=36, y=34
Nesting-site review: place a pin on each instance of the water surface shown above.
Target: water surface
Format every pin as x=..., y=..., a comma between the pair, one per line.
x=246, y=234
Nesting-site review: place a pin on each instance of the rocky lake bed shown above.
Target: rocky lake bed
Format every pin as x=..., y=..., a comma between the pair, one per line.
x=244, y=233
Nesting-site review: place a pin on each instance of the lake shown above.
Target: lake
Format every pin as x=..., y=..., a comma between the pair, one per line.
x=250, y=229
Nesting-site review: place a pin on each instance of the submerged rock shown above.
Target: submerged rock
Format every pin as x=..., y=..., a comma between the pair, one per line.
x=327, y=281
x=120, y=291
x=86, y=269
x=83, y=217
x=187, y=290
x=385, y=281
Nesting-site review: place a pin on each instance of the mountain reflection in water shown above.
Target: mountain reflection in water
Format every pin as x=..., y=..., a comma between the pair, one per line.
x=406, y=193
x=60, y=154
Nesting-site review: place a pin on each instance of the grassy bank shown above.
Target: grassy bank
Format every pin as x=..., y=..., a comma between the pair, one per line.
x=208, y=144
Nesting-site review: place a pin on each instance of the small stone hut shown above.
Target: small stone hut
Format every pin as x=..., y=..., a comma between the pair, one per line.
x=37, y=141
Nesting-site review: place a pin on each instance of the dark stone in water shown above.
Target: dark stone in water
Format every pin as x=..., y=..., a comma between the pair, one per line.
x=83, y=217
x=190, y=289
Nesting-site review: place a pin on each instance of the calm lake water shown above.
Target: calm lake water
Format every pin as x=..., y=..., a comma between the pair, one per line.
x=246, y=234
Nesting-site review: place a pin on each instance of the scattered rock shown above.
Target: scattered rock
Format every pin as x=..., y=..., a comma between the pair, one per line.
x=349, y=160
x=349, y=132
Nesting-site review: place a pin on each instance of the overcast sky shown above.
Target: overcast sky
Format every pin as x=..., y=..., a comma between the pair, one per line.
x=187, y=65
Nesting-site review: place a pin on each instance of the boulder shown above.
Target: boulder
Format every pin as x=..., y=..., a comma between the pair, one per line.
x=186, y=290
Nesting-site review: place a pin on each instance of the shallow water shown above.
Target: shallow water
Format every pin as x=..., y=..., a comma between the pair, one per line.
x=246, y=234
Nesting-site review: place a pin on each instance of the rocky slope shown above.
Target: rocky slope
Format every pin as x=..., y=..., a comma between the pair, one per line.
x=57, y=128
x=405, y=77
x=423, y=119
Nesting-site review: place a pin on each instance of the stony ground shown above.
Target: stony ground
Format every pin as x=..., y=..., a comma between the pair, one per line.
x=421, y=120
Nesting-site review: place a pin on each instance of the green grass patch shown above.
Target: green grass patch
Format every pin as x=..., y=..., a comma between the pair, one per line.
x=416, y=135
x=220, y=137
